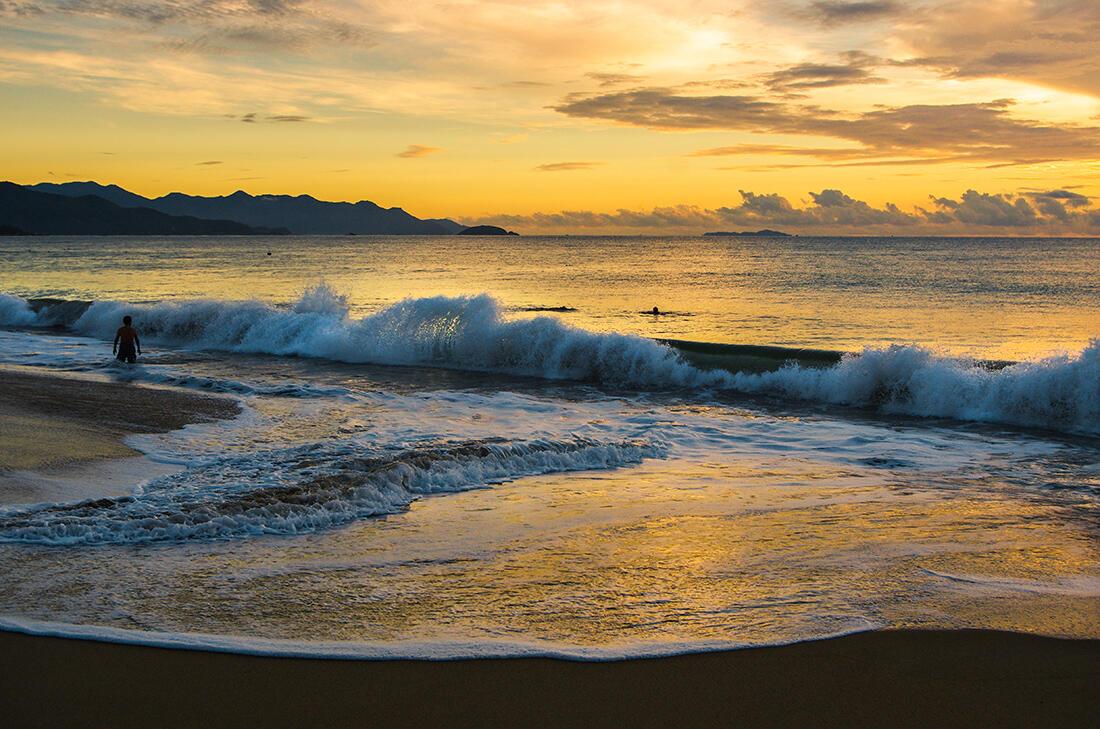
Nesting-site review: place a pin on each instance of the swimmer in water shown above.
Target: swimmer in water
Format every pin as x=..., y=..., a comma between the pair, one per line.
x=655, y=311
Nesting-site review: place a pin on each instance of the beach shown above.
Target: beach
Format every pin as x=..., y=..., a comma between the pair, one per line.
x=897, y=678
x=878, y=679
x=59, y=432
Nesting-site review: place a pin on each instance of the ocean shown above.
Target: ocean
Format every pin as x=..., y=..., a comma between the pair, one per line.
x=464, y=446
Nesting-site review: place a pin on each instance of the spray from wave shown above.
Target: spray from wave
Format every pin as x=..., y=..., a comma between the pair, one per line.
x=472, y=333
x=1061, y=393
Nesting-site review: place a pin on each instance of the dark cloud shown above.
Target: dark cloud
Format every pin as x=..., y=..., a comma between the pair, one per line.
x=983, y=209
x=209, y=26
x=276, y=7
x=20, y=8
x=567, y=166
x=208, y=162
x=1050, y=42
x=662, y=108
x=830, y=209
x=253, y=117
x=976, y=131
x=835, y=12
x=1060, y=204
x=806, y=76
x=1073, y=199
x=833, y=211
x=606, y=80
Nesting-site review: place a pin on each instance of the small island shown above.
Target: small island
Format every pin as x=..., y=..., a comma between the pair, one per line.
x=765, y=233
x=485, y=230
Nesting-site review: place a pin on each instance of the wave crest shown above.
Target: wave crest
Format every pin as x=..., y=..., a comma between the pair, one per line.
x=472, y=333
x=301, y=490
x=1061, y=392
x=465, y=332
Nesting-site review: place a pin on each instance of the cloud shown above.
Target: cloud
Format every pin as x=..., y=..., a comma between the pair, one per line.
x=780, y=149
x=832, y=211
x=605, y=80
x=805, y=76
x=971, y=131
x=209, y=26
x=1073, y=199
x=19, y=8
x=1050, y=42
x=253, y=117
x=566, y=166
x=983, y=209
x=1060, y=204
x=833, y=12
x=208, y=163
x=418, y=150
x=664, y=108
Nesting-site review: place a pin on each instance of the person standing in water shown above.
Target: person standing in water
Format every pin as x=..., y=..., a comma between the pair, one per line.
x=127, y=345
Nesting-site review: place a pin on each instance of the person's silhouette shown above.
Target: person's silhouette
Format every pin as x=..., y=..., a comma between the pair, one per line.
x=127, y=345
x=656, y=310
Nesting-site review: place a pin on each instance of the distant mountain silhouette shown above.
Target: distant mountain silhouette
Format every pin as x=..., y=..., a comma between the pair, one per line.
x=110, y=193
x=45, y=213
x=765, y=233
x=485, y=230
x=300, y=214
x=449, y=225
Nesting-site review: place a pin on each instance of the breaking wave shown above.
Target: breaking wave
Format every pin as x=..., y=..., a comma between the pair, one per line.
x=304, y=489
x=472, y=333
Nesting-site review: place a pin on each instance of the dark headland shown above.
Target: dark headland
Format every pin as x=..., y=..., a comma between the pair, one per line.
x=765, y=233
x=486, y=230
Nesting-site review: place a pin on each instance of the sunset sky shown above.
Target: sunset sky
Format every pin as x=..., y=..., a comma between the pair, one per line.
x=624, y=117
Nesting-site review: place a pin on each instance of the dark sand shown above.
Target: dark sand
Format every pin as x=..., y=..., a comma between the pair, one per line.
x=926, y=679
x=49, y=422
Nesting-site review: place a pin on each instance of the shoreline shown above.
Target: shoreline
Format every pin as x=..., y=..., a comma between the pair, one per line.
x=897, y=678
x=63, y=436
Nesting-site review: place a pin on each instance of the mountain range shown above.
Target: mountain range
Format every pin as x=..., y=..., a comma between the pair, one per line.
x=27, y=211
x=301, y=214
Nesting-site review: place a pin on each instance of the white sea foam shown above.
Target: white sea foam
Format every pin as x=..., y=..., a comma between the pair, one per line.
x=1059, y=392
x=303, y=489
x=440, y=650
x=471, y=333
x=16, y=312
x=468, y=333
x=1073, y=586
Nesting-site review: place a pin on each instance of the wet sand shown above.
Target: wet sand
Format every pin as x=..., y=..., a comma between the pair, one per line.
x=57, y=430
x=880, y=679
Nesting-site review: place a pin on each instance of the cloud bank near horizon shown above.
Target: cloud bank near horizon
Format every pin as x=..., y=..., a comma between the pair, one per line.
x=1048, y=212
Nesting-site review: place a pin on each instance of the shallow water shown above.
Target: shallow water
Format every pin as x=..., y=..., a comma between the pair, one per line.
x=451, y=477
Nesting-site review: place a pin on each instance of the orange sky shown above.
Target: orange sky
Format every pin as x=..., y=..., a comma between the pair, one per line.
x=626, y=117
